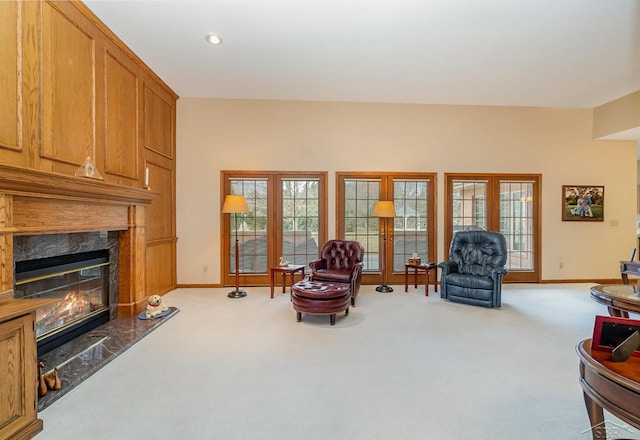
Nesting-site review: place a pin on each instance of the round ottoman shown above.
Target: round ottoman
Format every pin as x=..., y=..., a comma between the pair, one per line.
x=320, y=298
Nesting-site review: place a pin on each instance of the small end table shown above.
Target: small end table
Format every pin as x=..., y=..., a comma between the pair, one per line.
x=427, y=268
x=284, y=270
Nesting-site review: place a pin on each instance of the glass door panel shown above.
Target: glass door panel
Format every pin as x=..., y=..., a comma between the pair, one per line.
x=410, y=233
x=252, y=227
x=469, y=200
x=516, y=223
x=360, y=196
x=300, y=222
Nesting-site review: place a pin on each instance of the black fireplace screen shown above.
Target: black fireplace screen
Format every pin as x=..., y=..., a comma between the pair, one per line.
x=79, y=283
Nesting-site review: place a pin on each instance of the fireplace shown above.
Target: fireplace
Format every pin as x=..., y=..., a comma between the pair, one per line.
x=79, y=270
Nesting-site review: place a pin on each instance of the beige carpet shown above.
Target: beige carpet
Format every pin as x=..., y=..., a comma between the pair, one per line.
x=400, y=366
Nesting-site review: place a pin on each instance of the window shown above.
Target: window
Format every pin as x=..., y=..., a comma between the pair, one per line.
x=509, y=204
x=287, y=217
x=411, y=231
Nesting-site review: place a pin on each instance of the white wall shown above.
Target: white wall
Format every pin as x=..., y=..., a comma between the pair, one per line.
x=216, y=134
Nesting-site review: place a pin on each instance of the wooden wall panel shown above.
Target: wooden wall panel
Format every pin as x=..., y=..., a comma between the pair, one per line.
x=68, y=88
x=121, y=122
x=161, y=268
x=10, y=83
x=159, y=114
x=161, y=210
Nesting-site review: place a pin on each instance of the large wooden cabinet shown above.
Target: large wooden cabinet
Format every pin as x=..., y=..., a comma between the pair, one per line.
x=18, y=369
x=70, y=89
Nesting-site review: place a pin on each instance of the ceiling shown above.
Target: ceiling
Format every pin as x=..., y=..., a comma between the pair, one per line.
x=558, y=53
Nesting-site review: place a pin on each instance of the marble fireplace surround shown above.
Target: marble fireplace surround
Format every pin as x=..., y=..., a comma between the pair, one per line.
x=31, y=247
x=41, y=203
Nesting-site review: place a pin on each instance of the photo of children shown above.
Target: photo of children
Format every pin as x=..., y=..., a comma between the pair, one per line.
x=583, y=203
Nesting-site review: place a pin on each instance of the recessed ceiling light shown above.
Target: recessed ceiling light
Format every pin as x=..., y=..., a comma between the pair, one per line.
x=213, y=39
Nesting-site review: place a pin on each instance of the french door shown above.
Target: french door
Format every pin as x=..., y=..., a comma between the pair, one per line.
x=286, y=218
x=509, y=204
x=411, y=231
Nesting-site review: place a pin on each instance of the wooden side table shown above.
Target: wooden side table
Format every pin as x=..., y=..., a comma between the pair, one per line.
x=284, y=270
x=426, y=268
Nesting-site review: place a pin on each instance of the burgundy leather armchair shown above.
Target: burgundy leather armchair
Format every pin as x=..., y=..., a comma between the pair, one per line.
x=340, y=262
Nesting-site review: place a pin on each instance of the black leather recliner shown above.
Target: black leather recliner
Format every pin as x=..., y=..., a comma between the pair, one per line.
x=473, y=274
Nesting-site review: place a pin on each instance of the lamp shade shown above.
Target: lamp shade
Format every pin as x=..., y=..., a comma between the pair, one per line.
x=384, y=209
x=234, y=203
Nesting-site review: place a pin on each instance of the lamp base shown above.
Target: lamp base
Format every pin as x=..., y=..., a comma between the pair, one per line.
x=237, y=294
x=384, y=289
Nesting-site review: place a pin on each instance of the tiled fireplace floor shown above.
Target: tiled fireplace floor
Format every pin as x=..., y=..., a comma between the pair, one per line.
x=86, y=354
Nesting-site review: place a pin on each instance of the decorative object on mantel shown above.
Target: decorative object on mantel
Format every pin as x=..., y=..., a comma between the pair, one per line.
x=146, y=178
x=282, y=262
x=88, y=169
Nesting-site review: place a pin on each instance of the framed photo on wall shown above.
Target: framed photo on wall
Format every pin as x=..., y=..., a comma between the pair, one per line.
x=582, y=203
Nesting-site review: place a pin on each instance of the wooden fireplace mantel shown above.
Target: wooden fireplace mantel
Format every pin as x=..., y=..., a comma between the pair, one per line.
x=28, y=182
x=34, y=202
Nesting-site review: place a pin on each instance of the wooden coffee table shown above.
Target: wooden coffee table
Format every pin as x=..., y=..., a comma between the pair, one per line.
x=620, y=299
x=284, y=270
x=614, y=386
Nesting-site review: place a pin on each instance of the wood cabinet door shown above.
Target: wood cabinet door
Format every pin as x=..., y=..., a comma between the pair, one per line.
x=18, y=373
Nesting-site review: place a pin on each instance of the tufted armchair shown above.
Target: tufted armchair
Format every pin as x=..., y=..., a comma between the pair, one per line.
x=475, y=270
x=340, y=262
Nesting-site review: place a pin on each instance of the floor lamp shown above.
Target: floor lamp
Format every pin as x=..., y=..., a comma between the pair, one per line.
x=234, y=205
x=384, y=210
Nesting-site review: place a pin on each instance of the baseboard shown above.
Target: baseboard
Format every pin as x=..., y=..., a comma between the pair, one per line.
x=590, y=280
x=198, y=286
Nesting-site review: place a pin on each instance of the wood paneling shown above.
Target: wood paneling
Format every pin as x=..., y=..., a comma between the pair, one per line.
x=10, y=83
x=161, y=182
x=161, y=267
x=68, y=88
x=159, y=114
x=121, y=122
x=6, y=243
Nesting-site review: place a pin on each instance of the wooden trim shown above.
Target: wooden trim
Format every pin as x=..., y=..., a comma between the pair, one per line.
x=22, y=181
x=591, y=280
x=199, y=286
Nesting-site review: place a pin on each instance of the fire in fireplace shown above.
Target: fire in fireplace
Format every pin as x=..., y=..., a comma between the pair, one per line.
x=80, y=283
